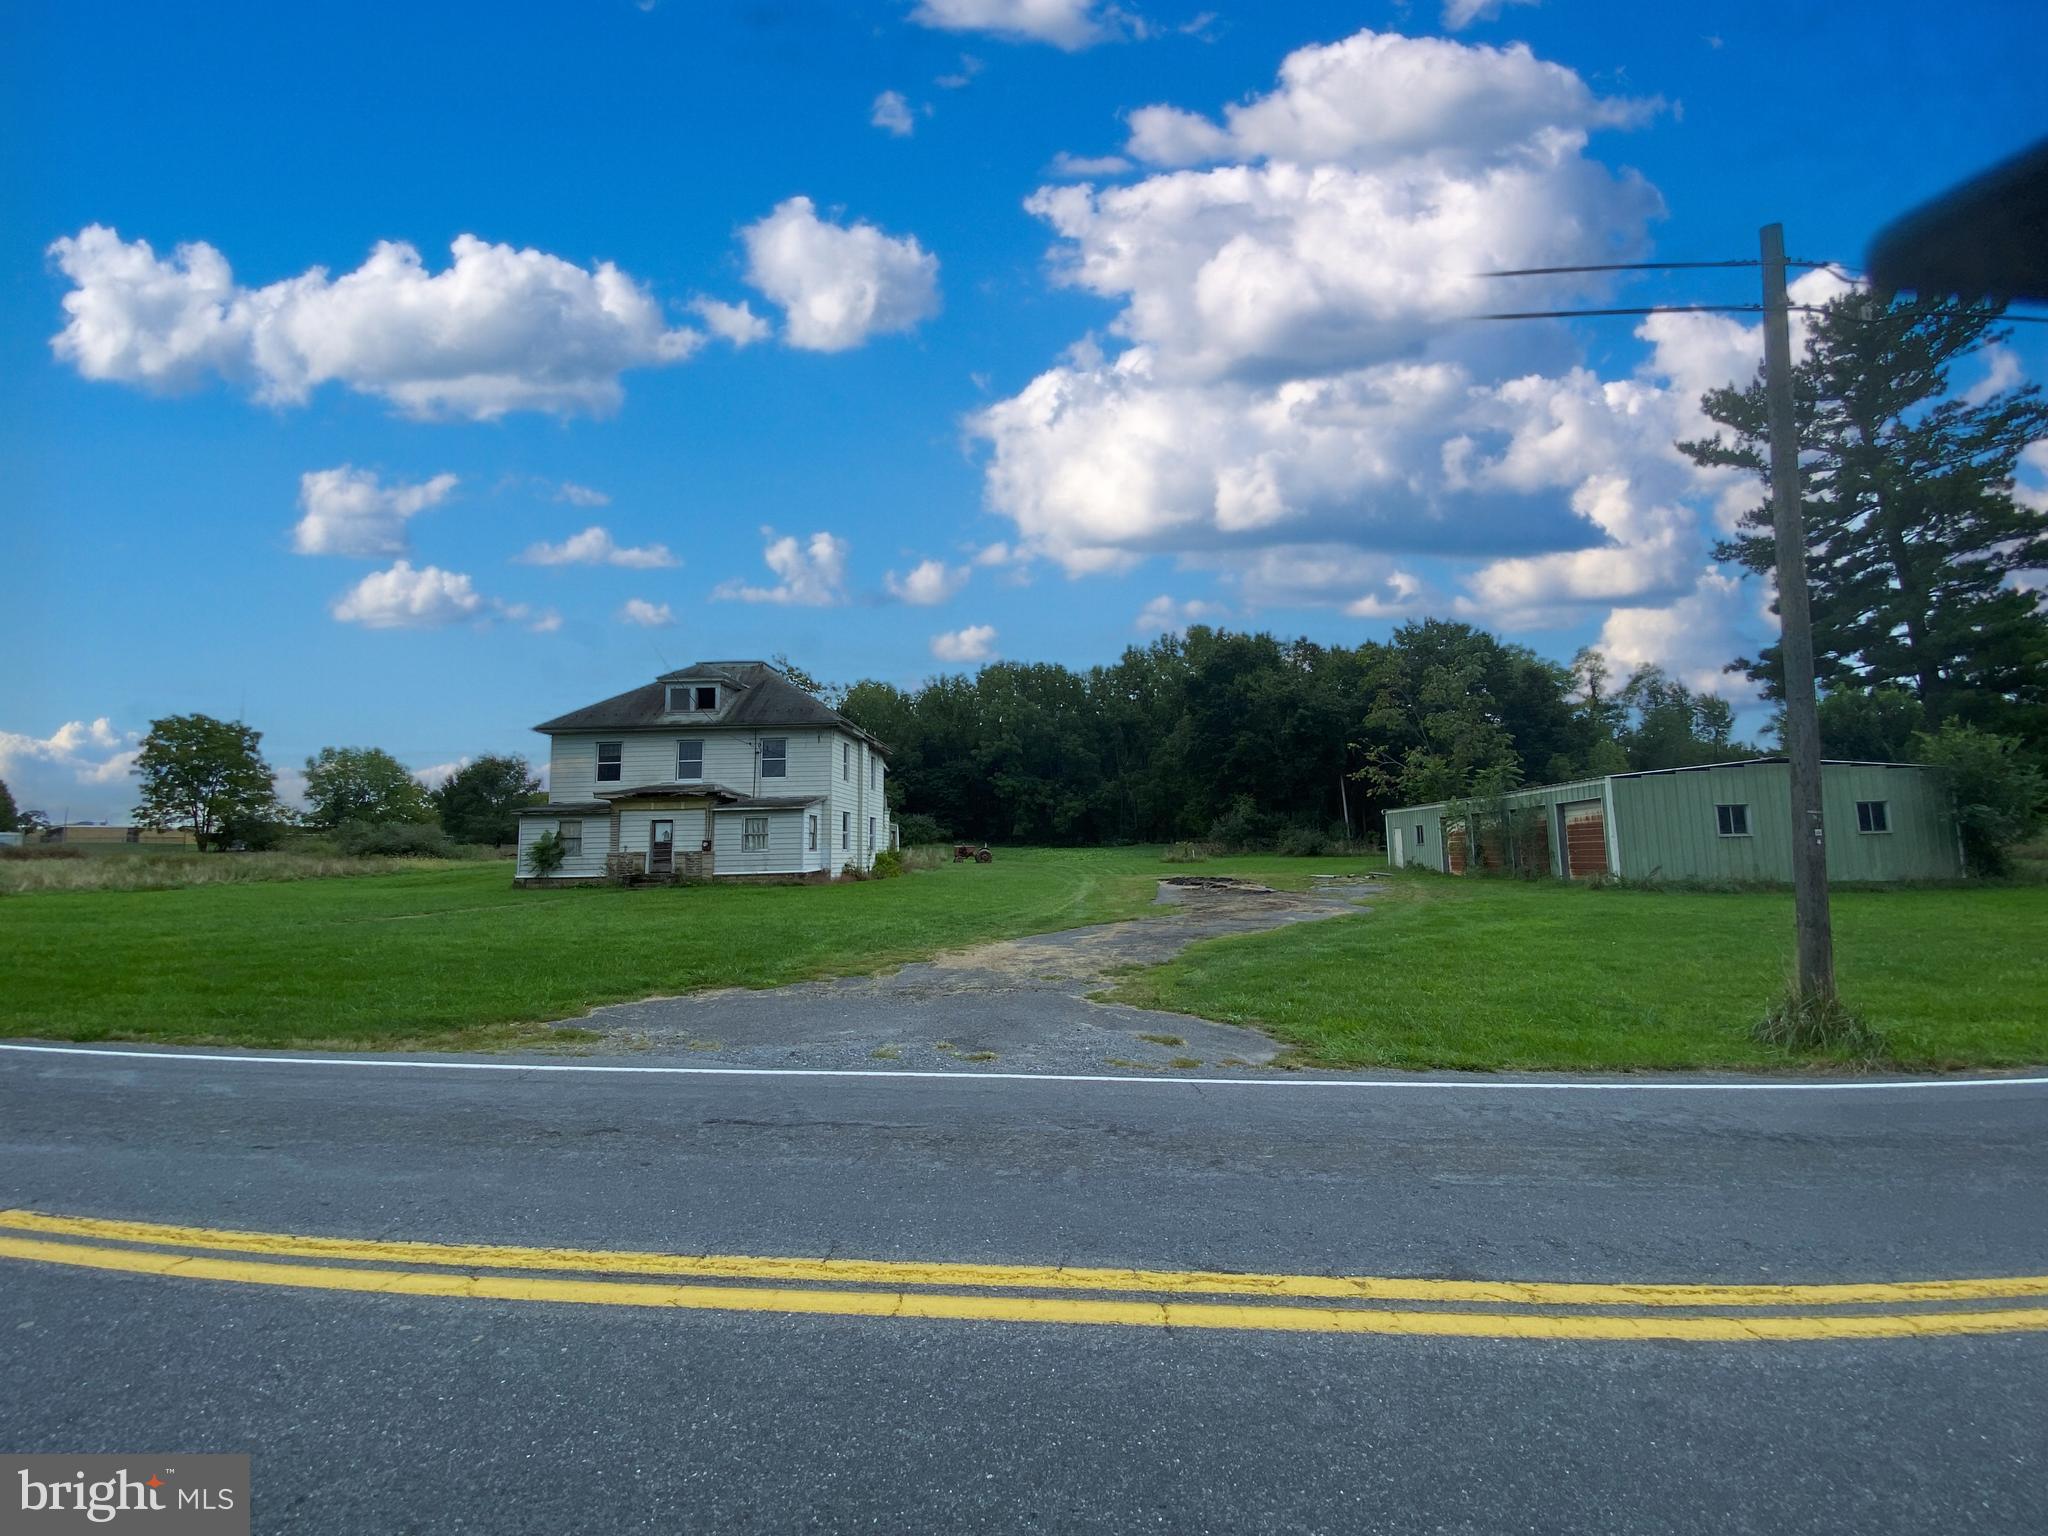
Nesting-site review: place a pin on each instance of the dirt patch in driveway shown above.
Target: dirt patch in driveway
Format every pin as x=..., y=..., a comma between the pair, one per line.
x=1015, y=1005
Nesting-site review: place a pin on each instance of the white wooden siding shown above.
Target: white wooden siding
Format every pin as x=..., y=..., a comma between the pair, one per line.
x=649, y=757
x=784, y=855
x=596, y=844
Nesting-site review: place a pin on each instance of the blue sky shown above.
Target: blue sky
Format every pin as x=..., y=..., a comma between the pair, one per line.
x=1222, y=380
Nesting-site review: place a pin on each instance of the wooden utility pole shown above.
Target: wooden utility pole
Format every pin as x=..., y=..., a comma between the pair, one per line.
x=1816, y=940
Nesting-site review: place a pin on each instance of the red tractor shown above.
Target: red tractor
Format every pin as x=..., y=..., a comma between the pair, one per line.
x=962, y=853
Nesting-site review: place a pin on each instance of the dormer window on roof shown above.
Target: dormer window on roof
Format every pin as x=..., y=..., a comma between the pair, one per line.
x=692, y=698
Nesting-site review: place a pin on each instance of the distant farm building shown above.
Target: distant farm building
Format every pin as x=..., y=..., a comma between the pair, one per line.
x=89, y=833
x=1720, y=822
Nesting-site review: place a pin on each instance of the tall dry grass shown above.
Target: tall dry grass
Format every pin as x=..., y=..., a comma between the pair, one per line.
x=173, y=871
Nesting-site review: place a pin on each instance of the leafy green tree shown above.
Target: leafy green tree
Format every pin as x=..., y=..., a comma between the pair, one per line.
x=1456, y=710
x=204, y=774
x=1875, y=725
x=1999, y=795
x=9, y=816
x=1912, y=527
x=480, y=801
x=1670, y=726
x=366, y=784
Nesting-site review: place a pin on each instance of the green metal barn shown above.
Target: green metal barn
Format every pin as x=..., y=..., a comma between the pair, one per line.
x=1723, y=821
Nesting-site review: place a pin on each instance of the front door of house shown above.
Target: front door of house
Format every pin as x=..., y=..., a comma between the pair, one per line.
x=661, y=848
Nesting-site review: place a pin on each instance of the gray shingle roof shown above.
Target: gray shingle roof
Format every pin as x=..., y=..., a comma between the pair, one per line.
x=756, y=697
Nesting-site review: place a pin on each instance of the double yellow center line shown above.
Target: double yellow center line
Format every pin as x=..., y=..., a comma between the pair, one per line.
x=1001, y=1292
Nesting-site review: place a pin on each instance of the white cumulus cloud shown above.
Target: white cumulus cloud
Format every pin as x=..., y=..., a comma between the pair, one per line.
x=1066, y=24
x=405, y=598
x=88, y=752
x=1460, y=14
x=497, y=330
x=926, y=584
x=349, y=511
x=1285, y=396
x=838, y=284
x=977, y=642
x=595, y=546
x=638, y=610
x=581, y=495
x=812, y=573
x=734, y=323
x=1165, y=615
x=891, y=113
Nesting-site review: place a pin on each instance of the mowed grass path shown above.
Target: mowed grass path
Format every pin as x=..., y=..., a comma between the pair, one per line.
x=1504, y=975
x=450, y=957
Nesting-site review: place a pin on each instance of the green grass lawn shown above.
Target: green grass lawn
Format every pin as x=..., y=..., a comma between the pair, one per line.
x=452, y=956
x=1504, y=975
x=1439, y=973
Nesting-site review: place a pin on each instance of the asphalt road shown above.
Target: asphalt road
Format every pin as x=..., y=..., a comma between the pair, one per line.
x=383, y=1412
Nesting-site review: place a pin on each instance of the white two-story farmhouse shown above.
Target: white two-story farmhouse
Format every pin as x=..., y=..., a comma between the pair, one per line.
x=723, y=770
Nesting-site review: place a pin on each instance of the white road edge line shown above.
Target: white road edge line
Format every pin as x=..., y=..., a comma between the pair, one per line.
x=1290, y=1081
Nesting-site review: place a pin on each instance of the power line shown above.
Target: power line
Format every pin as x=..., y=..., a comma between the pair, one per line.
x=1647, y=266
x=1712, y=309
x=1649, y=309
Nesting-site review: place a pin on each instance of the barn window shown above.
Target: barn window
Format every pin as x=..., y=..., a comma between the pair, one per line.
x=774, y=757
x=814, y=833
x=754, y=836
x=1873, y=816
x=1419, y=839
x=570, y=835
x=611, y=761
x=689, y=759
x=1733, y=819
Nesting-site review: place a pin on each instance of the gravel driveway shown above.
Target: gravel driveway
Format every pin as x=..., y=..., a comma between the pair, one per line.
x=1018, y=1005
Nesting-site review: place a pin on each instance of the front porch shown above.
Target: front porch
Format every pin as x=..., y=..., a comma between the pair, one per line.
x=666, y=834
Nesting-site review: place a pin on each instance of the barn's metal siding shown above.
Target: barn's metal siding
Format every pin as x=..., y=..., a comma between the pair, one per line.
x=1663, y=826
x=1666, y=826
x=1405, y=820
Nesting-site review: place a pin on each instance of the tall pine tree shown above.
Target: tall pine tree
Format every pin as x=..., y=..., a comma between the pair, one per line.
x=1912, y=527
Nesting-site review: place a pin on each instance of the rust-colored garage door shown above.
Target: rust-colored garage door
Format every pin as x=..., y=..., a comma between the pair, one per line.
x=1585, y=839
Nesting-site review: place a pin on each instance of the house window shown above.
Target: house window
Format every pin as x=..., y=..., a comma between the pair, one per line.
x=611, y=761
x=814, y=833
x=683, y=698
x=1419, y=839
x=1873, y=816
x=846, y=829
x=846, y=761
x=570, y=835
x=754, y=836
x=1733, y=820
x=774, y=757
x=871, y=834
x=874, y=773
x=689, y=759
